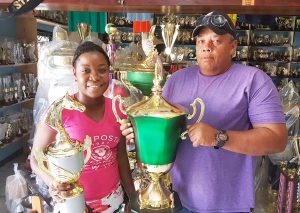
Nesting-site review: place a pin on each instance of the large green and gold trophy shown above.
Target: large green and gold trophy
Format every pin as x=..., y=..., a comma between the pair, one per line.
x=158, y=127
x=65, y=157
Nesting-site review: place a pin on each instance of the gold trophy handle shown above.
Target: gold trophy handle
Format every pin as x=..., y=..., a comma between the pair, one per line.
x=190, y=116
x=41, y=159
x=114, y=108
x=87, y=147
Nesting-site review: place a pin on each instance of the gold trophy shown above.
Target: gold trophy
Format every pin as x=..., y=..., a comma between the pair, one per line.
x=158, y=127
x=84, y=30
x=65, y=157
x=169, y=31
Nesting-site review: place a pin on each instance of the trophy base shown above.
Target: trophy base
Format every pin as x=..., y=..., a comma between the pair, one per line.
x=135, y=206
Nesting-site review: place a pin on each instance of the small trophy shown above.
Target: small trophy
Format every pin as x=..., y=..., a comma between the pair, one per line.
x=169, y=31
x=65, y=157
x=84, y=30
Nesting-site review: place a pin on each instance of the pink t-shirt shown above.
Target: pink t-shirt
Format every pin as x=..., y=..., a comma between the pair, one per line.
x=100, y=174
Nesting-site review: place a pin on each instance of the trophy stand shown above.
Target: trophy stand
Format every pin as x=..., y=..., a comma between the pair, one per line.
x=137, y=208
x=289, y=186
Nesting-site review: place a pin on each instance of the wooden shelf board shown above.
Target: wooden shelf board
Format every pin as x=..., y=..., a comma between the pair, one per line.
x=17, y=65
x=50, y=23
x=21, y=102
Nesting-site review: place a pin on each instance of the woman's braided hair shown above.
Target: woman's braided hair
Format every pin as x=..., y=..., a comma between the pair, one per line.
x=88, y=46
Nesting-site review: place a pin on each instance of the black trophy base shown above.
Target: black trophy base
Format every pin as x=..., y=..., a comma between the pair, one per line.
x=135, y=206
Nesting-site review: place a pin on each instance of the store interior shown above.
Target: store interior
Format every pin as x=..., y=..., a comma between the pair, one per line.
x=268, y=35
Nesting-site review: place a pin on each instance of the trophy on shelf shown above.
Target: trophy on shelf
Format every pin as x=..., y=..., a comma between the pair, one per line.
x=65, y=157
x=138, y=70
x=84, y=30
x=158, y=127
x=169, y=31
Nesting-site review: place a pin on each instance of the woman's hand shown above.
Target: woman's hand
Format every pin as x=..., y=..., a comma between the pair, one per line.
x=127, y=208
x=59, y=190
x=127, y=131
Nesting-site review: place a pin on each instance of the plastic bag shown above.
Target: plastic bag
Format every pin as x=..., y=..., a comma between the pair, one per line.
x=55, y=74
x=290, y=100
x=15, y=190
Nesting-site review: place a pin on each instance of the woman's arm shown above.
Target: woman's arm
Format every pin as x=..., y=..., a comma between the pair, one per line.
x=124, y=168
x=44, y=136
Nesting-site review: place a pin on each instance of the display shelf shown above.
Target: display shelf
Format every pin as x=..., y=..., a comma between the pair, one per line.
x=18, y=143
x=50, y=23
x=17, y=65
x=15, y=104
x=21, y=28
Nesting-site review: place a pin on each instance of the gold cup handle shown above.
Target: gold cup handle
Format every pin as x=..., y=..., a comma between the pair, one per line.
x=41, y=159
x=114, y=108
x=190, y=116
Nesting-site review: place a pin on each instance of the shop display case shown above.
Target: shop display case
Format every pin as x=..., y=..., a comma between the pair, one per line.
x=17, y=80
x=272, y=48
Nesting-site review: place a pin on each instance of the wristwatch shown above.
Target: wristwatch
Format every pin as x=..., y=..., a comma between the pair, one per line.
x=221, y=138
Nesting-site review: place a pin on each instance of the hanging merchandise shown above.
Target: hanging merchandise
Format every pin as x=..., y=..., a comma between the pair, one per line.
x=140, y=16
x=141, y=21
x=141, y=26
x=97, y=20
x=19, y=7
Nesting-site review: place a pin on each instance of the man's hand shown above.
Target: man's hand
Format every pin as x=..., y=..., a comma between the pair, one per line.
x=202, y=134
x=127, y=131
x=59, y=190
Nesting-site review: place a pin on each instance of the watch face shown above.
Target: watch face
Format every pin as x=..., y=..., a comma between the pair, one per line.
x=223, y=137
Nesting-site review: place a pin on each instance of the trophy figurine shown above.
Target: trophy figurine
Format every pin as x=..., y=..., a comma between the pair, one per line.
x=158, y=126
x=169, y=31
x=84, y=30
x=65, y=157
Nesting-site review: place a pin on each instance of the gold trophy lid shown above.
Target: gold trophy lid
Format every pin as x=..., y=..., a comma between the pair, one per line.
x=156, y=105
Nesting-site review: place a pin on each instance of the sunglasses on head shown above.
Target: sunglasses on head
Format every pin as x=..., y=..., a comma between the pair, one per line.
x=216, y=20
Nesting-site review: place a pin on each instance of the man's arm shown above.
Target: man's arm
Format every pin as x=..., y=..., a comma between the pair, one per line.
x=263, y=139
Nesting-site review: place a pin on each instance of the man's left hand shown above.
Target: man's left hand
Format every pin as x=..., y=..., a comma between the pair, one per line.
x=202, y=134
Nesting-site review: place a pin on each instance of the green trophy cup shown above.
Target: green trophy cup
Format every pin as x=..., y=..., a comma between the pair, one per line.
x=158, y=127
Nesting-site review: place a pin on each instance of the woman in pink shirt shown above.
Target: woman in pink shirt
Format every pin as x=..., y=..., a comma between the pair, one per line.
x=108, y=167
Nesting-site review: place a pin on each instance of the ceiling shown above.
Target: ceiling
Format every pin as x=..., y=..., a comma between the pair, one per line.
x=267, y=7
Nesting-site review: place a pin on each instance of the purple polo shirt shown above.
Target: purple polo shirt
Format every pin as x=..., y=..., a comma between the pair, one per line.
x=210, y=180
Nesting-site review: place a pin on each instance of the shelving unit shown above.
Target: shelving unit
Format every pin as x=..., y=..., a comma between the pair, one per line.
x=50, y=23
x=270, y=48
x=22, y=28
x=18, y=143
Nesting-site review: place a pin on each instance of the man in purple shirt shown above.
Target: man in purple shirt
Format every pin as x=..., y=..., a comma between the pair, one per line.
x=214, y=170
